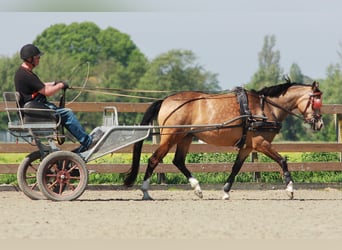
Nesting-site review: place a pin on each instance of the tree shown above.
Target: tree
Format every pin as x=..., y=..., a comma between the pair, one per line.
x=177, y=70
x=269, y=72
x=87, y=42
x=296, y=74
x=332, y=86
x=8, y=66
x=78, y=40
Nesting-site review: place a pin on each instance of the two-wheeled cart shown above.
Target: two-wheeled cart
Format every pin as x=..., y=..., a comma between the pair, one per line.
x=53, y=173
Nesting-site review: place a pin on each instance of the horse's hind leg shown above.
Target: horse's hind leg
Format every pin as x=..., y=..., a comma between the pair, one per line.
x=179, y=162
x=240, y=159
x=153, y=161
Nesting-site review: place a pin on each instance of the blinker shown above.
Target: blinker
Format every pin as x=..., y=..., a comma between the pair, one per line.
x=316, y=103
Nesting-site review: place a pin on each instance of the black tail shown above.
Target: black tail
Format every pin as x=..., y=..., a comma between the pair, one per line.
x=150, y=114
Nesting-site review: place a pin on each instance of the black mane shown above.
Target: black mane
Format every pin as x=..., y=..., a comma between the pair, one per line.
x=277, y=90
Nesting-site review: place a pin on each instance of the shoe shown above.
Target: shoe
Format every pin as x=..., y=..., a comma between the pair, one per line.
x=96, y=136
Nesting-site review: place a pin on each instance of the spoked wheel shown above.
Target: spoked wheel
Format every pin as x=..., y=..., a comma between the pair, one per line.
x=62, y=176
x=27, y=176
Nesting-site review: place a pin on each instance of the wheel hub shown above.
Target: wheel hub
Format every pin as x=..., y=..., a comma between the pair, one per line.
x=63, y=176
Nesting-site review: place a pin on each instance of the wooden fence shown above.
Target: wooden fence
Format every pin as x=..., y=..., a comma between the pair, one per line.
x=332, y=109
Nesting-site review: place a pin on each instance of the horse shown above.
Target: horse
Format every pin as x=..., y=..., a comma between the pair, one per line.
x=246, y=119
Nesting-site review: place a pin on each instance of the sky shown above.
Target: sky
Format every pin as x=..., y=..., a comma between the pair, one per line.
x=225, y=35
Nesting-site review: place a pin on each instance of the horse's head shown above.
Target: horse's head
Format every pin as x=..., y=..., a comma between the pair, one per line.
x=310, y=107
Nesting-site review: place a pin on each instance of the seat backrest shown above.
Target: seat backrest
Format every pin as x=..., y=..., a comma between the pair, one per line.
x=11, y=100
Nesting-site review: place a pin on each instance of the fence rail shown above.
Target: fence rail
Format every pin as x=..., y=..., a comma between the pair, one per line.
x=333, y=109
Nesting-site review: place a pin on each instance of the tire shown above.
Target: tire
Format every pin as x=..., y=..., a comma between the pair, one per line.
x=62, y=176
x=27, y=176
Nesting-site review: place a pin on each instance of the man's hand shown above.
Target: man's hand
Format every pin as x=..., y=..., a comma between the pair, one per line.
x=65, y=85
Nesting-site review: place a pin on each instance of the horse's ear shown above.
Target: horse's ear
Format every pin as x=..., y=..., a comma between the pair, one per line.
x=315, y=86
x=287, y=78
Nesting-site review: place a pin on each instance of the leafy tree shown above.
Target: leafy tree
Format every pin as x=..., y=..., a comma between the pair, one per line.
x=332, y=86
x=296, y=74
x=87, y=42
x=175, y=71
x=78, y=40
x=8, y=66
x=269, y=72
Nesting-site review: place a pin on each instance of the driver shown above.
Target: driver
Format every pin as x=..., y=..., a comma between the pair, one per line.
x=30, y=87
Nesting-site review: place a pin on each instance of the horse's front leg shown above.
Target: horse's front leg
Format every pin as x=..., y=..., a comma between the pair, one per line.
x=268, y=150
x=240, y=159
x=287, y=177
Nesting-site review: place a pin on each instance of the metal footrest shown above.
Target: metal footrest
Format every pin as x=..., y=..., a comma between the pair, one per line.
x=116, y=138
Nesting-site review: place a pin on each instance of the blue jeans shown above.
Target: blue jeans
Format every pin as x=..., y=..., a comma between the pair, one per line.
x=71, y=123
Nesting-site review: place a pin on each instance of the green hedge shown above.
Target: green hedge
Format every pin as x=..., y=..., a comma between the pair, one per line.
x=211, y=178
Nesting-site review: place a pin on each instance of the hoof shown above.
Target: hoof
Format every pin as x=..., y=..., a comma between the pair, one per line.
x=199, y=193
x=289, y=190
x=290, y=194
x=147, y=197
x=225, y=196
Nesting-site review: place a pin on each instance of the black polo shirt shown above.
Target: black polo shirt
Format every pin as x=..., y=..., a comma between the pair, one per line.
x=28, y=84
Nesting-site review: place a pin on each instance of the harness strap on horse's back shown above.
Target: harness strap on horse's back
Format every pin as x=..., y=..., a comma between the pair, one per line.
x=242, y=99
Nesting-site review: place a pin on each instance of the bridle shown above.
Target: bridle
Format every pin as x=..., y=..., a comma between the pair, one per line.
x=314, y=100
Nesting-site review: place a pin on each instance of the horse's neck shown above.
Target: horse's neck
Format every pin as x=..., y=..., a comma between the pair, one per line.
x=285, y=105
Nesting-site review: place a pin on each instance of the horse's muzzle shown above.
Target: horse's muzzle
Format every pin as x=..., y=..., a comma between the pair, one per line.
x=317, y=123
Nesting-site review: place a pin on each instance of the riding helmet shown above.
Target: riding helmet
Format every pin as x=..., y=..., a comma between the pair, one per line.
x=29, y=50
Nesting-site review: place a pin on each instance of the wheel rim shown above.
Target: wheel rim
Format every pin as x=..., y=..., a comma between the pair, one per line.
x=63, y=177
x=27, y=176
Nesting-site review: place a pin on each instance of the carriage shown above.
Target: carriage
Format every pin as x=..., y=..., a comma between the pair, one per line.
x=248, y=120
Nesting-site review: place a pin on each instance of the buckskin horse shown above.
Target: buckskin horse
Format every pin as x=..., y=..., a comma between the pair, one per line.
x=248, y=120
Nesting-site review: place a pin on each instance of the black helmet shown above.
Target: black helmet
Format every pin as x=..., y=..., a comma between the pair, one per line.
x=29, y=50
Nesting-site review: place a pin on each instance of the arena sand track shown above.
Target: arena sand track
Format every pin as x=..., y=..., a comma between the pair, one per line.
x=175, y=214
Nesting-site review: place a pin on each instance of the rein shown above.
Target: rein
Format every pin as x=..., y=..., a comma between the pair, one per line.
x=108, y=91
x=114, y=94
x=264, y=99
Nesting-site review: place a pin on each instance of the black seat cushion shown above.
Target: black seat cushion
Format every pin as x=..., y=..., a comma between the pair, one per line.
x=38, y=116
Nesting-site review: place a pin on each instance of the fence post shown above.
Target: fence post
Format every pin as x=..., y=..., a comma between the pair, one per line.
x=338, y=126
x=256, y=175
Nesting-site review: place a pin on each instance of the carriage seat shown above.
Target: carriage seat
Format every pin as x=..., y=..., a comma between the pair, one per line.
x=37, y=112
x=33, y=116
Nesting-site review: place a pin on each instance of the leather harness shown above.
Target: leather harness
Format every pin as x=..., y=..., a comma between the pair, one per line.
x=249, y=123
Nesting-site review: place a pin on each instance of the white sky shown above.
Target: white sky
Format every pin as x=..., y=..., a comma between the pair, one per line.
x=226, y=35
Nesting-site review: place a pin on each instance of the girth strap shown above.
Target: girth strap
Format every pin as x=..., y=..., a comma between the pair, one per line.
x=242, y=99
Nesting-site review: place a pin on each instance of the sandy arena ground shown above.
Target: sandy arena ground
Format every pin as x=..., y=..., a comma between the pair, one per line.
x=175, y=214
